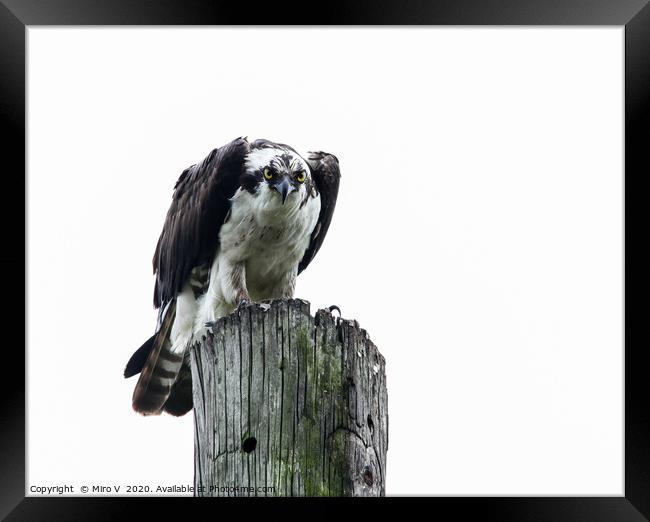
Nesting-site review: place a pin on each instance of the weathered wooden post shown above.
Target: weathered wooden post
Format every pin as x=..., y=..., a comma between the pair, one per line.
x=288, y=404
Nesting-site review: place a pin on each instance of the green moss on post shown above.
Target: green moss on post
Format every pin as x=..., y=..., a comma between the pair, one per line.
x=286, y=404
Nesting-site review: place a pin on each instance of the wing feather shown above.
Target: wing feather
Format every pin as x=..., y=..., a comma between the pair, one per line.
x=200, y=203
x=190, y=238
x=326, y=176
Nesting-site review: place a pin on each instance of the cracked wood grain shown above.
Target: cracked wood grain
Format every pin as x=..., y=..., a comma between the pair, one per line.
x=287, y=404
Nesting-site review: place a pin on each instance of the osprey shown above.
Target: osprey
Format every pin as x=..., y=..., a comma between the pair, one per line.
x=243, y=223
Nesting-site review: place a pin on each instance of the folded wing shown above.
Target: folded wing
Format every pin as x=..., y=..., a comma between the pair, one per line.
x=326, y=175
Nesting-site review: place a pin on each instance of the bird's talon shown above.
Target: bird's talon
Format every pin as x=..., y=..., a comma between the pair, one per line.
x=334, y=307
x=243, y=303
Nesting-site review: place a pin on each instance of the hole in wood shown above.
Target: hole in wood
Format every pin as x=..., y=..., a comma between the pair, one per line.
x=371, y=425
x=367, y=476
x=249, y=444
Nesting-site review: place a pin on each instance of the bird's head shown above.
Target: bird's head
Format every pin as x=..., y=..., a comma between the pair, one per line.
x=279, y=170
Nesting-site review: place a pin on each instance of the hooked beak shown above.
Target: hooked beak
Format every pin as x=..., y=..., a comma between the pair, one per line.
x=284, y=188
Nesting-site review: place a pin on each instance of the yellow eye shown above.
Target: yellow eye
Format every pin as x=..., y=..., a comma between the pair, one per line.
x=301, y=177
x=267, y=174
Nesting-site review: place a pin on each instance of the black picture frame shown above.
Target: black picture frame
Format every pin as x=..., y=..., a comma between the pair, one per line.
x=15, y=15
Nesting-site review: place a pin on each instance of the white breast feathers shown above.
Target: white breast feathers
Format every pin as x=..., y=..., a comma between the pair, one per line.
x=261, y=244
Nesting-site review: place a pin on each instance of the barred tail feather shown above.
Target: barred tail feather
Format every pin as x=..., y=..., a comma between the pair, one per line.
x=160, y=370
x=180, y=399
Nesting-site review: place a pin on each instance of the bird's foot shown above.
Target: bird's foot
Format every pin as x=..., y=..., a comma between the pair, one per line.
x=203, y=333
x=334, y=307
x=243, y=303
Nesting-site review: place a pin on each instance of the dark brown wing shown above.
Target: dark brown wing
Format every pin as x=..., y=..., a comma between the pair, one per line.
x=326, y=176
x=190, y=236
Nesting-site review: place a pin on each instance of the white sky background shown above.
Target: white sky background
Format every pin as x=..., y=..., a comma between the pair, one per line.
x=480, y=207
